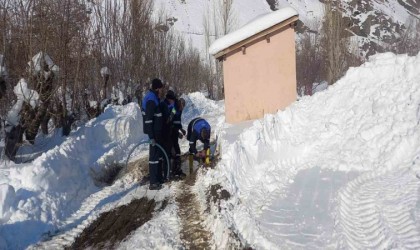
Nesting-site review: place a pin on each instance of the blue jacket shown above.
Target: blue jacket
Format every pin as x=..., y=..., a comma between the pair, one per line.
x=152, y=115
x=194, y=133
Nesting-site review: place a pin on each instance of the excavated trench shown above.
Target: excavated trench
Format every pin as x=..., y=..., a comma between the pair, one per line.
x=193, y=234
x=114, y=226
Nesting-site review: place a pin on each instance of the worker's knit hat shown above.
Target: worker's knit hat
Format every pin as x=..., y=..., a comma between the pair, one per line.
x=157, y=84
x=170, y=95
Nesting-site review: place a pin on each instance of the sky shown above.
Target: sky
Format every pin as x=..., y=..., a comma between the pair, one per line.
x=339, y=169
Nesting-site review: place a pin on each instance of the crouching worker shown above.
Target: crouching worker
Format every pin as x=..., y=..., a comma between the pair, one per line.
x=152, y=126
x=198, y=129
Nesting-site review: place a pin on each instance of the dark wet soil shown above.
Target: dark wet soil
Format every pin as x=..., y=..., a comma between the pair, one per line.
x=114, y=226
x=215, y=195
x=193, y=233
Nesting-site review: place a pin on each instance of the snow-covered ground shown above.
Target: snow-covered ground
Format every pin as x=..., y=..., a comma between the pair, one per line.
x=339, y=169
x=56, y=191
x=335, y=170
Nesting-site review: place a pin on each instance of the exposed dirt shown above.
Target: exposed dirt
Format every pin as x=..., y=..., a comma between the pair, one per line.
x=215, y=195
x=193, y=233
x=113, y=226
x=137, y=169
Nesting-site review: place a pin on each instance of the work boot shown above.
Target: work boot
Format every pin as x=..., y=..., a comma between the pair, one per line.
x=165, y=180
x=177, y=172
x=176, y=166
x=164, y=168
x=144, y=180
x=155, y=186
x=177, y=161
x=180, y=175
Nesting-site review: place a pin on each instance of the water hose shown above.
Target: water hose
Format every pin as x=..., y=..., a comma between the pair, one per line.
x=159, y=146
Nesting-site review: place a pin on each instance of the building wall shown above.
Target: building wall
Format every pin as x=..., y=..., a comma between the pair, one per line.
x=263, y=80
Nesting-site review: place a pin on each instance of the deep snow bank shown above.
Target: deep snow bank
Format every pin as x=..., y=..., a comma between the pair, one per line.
x=45, y=194
x=38, y=195
x=367, y=121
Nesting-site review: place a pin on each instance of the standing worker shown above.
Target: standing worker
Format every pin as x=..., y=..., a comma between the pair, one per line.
x=177, y=133
x=168, y=112
x=152, y=126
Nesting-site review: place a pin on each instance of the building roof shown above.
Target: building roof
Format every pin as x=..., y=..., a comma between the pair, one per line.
x=252, y=28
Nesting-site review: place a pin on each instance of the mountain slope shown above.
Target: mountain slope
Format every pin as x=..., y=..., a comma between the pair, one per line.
x=190, y=14
x=376, y=23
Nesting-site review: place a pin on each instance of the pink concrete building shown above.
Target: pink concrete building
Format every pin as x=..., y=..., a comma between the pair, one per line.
x=259, y=66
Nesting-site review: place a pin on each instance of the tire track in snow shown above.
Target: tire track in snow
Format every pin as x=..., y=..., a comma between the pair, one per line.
x=301, y=216
x=265, y=190
x=376, y=211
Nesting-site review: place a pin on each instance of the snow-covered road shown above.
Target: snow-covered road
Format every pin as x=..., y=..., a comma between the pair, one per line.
x=303, y=218
x=380, y=210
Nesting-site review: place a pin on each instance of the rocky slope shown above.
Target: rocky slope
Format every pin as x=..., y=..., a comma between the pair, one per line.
x=376, y=23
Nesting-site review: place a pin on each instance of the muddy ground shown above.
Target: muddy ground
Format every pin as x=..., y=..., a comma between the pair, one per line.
x=114, y=226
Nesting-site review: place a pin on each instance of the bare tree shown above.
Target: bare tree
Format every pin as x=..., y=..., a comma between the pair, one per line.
x=327, y=54
x=334, y=42
x=219, y=21
x=308, y=66
x=82, y=37
x=409, y=40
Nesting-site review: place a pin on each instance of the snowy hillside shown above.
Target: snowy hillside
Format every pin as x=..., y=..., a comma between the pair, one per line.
x=190, y=15
x=374, y=22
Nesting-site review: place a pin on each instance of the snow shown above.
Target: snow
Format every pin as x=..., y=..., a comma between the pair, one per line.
x=119, y=92
x=93, y=104
x=393, y=9
x=57, y=189
x=3, y=71
x=53, y=186
x=105, y=72
x=252, y=28
x=36, y=63
x=336, y=170
x=161, y=232
x=190, y=15
x=318, y=87
x=23, y=94
x=190, y=21
x=310, y=11
x=7, y=195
